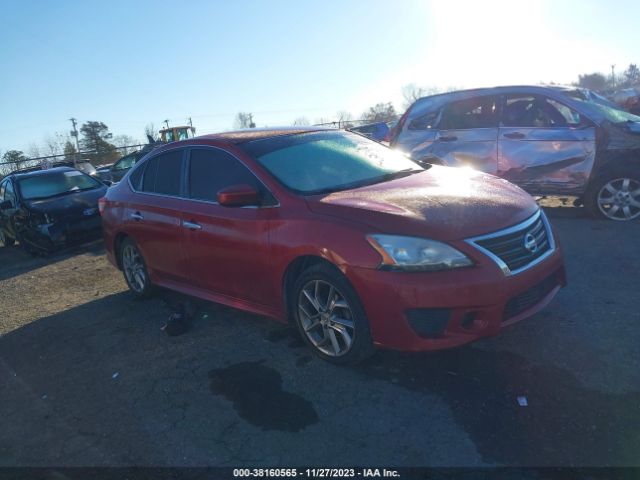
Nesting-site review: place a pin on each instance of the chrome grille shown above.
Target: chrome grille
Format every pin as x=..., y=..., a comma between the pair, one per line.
x=519, y=247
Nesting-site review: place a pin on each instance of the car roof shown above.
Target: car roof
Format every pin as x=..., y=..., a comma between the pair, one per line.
x=502, y=89
x=41, y=172
x=235, y=137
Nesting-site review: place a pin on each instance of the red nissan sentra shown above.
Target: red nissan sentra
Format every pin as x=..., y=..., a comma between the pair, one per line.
x=353, y=242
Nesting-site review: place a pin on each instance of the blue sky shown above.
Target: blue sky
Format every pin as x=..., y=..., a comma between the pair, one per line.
x=132, y=63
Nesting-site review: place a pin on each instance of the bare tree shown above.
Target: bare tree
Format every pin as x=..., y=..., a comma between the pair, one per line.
x=301, y=121
x=33, y=150
x=244, y=120
x=124, y=141
x=54, y=144
x=411, y=92
x=631, y=75
x=344, y=119
x=380, y=112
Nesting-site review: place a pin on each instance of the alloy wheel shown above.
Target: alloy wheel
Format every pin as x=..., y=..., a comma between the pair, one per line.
x=326, y=318
x=619, y=199
x=134, y=269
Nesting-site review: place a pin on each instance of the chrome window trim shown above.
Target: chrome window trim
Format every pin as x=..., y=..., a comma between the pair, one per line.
x=516, y=228
x=210, y=202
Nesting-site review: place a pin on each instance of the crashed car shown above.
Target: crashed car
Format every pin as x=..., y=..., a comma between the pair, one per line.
x=547, y=140
x=47, y=209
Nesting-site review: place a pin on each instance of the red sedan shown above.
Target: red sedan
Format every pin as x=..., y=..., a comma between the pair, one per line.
x=353, y=242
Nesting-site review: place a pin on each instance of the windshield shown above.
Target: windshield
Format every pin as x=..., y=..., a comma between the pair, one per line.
x=53, y=184
x=606, y=108
x=321, y=162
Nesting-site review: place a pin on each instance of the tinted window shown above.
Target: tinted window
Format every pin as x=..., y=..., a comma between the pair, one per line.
x=478, y=112
x=149, y=177
x=9, y=194
x=212, y=170
x=537, y=112
x=169, y=173
x=136, y=178
x=163, y=174
x=424, y=122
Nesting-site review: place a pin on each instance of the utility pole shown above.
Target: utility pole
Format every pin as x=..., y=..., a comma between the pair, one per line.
x=74, y=133
x=193, y=130
x=613, y=77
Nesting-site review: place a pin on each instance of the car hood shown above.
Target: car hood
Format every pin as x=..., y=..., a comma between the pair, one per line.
x=442, y=203
x=76, y=204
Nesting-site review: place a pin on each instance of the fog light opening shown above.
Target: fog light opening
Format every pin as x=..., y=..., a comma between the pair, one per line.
x=468, y=320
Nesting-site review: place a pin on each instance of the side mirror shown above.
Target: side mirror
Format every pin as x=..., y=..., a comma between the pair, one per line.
x=6, y=205
x=238, y=196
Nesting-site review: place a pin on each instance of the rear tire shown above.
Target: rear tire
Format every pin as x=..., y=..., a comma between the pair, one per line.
x=330, y=317
x=134, y=269
x=615, y=195
x=6, y=241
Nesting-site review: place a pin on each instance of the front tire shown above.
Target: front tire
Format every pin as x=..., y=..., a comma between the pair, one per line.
x=134, y=269
x=330, y=317
x=5, y=240
x=615, y=195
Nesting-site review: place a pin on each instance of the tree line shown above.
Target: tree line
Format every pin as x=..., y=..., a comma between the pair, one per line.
x=104, y=147
x=100, y=145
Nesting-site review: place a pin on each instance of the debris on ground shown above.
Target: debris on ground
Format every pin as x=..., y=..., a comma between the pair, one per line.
x=115, y=375
x=522, y=401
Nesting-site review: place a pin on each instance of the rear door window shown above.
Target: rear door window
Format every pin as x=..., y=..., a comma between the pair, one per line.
x=9, y=194
x=534, y=111
x=163, y=174
x=211, y=170
x=424, y=122
x=477, y=112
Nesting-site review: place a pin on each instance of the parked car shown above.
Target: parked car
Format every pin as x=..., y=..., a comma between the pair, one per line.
x=548, y=140
x=46, y=209
x=103, y=172
x=83, y=165
x=122, y=166
x=349, y=240
x=375, y=131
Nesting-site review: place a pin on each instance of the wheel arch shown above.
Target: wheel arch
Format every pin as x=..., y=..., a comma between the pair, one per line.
x=294, y=269
x=117, y=244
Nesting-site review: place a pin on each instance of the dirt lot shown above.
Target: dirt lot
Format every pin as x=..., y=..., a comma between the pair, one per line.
x=87, y=377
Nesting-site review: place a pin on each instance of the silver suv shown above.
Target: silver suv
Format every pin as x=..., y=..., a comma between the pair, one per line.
x=548, y=140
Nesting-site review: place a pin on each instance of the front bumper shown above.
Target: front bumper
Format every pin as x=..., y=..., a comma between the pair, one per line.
x=48, y=237
x=457, y=306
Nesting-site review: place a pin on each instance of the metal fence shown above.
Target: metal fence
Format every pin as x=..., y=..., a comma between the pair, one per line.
x=95, y=157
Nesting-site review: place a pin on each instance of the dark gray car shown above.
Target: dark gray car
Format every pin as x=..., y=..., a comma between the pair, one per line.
x=548, y=140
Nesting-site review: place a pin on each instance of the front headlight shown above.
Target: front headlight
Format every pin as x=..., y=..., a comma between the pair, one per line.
x=412, y=253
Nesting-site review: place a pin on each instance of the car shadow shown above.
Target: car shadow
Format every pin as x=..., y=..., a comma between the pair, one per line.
x=15, y=261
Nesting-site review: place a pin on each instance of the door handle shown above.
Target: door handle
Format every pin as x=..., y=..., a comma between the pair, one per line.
x=515, y=135
x=191, y=225
x=137, y=216
x=447, y=138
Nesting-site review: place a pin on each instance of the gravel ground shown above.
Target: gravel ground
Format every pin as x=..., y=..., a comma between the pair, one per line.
x=87, y=377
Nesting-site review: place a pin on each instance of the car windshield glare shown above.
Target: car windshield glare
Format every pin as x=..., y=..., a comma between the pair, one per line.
x=606, y=108
x=53, y=184
x=320, y=162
